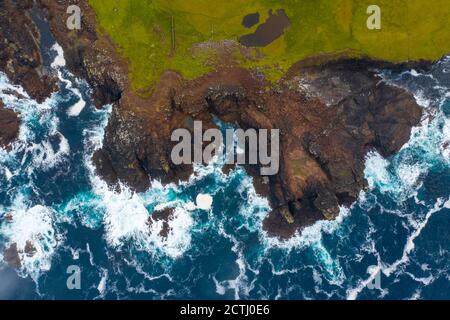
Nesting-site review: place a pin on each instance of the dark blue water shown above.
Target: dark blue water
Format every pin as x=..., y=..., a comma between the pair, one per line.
x=396, y=236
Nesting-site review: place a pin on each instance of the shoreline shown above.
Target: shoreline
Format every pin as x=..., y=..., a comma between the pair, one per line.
x=317, y=174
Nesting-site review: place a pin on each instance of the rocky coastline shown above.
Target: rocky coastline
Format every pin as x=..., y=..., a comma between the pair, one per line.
x=9, y=126
x=330, y=114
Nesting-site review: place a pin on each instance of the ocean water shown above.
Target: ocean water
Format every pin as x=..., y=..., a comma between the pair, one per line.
x=393, y=243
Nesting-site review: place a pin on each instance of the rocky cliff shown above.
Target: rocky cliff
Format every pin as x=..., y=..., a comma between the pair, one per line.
x=20, y=54
x=21, y=61
x=329, y=115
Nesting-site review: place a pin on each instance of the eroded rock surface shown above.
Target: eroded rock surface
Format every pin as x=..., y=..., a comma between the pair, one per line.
x=9, y=126
x=323, y=139
x=329, y=114
x=20, y=55
x=21, y=61
x=88, y=56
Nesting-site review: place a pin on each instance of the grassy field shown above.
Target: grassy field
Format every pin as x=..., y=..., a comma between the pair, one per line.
x=143, y=32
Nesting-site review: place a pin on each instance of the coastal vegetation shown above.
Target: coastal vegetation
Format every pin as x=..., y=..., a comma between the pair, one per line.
x=157, y=35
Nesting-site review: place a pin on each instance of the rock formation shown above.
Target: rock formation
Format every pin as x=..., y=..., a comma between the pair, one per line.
x=329, y=116
x=20, y=55
x=9, y=126
x=330, y=112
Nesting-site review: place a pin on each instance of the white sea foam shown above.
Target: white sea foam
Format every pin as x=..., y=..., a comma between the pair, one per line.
x=240, y=284
x=388, y=270
x=376, y=171
x=309, y=235
x=220, y=289
x=102, y=284
x=7, y=173
x=127, y=217
x=31, y=221
x=204, y=201
x=65, y=76
x=59, y=60
x=255, y=208
x=34, y=225
x=44, y=156
x=445, y=145
x=418, y=226
x=178, y=240
x=28, y=109
x=76, y=109
x=400, y=181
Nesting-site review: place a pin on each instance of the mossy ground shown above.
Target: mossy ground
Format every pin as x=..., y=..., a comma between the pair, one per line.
x=142, y=30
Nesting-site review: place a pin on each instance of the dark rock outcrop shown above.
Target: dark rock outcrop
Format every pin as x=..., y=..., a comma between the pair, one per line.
x=324, y=138
x=88, y=56
x=330, y=113
x=20, y=55
x=165, y=216
x=21, y=61
x=11, y=256
x=9, y=126
x=30, y=250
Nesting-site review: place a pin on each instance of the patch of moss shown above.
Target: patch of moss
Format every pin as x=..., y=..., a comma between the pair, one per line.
x=157, y=35
x=287, y=215
x=299, y=167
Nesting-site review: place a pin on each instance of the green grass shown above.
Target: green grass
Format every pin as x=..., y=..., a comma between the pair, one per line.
x=141, y=29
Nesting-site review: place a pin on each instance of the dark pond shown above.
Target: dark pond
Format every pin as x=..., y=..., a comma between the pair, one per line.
x=250, y=20
x=267, y=32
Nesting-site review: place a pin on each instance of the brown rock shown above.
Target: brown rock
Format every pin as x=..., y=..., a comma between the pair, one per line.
x=330, y=110
x=30, y=250
x=324, y=139
x=20, y=55
x=11, y=256
x=88, y=55
x=9, y=126
x=164, y=215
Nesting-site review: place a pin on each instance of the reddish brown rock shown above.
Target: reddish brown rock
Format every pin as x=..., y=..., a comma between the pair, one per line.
x=323, y=138
x=11, y=254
